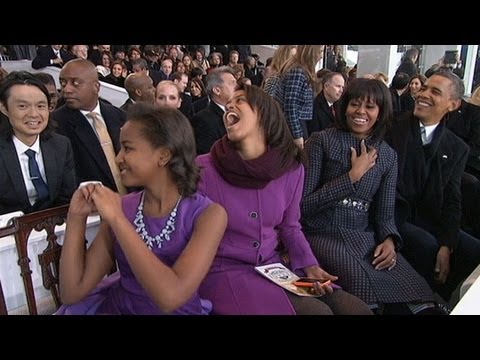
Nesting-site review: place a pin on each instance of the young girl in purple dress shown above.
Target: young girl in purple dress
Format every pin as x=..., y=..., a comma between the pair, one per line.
x=163, y=238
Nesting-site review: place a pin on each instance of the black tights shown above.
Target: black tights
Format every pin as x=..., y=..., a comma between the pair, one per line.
x=337, y=303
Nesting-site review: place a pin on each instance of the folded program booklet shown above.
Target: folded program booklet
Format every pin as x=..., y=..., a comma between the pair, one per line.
x=284, y=277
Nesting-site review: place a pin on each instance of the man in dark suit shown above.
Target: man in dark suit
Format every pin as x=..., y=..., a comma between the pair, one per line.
x=51, y=55
x=465, y=123
x=80, y=89
x=36, y=165
x=431, y=162
x=333, y=84
x=140, y=66
x=140, y=88
x=208, y=123
x=181, y=80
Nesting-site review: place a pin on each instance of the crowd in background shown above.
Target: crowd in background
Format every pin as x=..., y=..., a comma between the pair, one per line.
x=370, y=184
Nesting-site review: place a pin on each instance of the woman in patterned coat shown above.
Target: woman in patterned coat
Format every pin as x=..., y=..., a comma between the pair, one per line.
x=348, y=204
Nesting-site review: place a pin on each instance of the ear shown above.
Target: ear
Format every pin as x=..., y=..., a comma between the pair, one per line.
x=97, y=86
x=3, y=109
x=455, y=104
x=164, y=156
x=216, y=90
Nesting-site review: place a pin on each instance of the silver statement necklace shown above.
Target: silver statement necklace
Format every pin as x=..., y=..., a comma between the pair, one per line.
x=164, y=234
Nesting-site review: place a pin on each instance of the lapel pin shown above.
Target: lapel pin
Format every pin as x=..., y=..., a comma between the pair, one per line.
x=445, y=156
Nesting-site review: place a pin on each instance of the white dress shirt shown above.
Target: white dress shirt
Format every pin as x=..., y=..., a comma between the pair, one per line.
x=90, y=121
x=429, y=129
x=20, y=147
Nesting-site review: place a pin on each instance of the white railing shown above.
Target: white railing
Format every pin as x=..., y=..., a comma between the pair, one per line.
x=114, y=94
x=12, y=282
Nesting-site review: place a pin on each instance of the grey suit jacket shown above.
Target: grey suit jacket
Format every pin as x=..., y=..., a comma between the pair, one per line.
x=59, y=168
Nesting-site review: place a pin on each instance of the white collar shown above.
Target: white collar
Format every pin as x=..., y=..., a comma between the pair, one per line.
x=96, y=109
x=21, y=147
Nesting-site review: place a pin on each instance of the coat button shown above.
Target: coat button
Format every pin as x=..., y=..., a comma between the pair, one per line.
x=253, y=215
x=256, y=244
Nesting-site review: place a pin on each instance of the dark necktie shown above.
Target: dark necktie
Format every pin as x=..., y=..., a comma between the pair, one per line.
x=333, y=110
x=423, y=135
x=35, y=176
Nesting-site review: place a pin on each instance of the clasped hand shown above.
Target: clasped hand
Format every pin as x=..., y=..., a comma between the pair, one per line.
x=95, y=198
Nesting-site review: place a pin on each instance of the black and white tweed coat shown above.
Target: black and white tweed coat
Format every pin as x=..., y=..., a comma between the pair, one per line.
x=344, y=237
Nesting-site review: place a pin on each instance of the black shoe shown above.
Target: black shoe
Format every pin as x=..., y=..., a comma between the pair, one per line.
x=438, y=309
x=443, y=309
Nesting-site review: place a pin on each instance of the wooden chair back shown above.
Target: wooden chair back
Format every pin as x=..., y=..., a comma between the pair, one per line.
x=5, y=231
x=49, y=259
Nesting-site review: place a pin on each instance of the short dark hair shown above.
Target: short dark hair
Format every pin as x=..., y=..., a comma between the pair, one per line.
x=196, y=71
x=45, y=78
x=20, y=78
x=457, y=86
x=367, y=89
x=169, y=128
x=400, y=81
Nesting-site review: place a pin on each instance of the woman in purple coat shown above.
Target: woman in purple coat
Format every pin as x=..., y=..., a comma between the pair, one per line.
x=256, y=173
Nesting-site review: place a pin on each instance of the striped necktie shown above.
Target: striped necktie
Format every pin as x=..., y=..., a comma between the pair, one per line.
x=423, y=134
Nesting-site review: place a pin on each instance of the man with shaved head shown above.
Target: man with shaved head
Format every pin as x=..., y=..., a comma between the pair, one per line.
x=83, y=119
x=140, y=88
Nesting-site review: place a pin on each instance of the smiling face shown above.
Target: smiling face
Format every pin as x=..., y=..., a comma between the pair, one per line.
x=434, y=100
x=117, y=70
x=137, y=159
x=414, y=86
x=27, y=111
x=240, y=120
x=361, y=114
x=195, y=89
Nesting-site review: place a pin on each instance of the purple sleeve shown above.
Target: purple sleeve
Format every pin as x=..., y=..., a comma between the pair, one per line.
x=290, y=230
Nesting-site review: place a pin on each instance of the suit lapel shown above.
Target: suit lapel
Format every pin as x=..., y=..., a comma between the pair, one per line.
x=442, y=158
x=113, y=127
x=326, y=108
x=12, y=163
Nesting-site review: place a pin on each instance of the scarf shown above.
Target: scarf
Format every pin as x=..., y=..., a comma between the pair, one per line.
x=250, y=174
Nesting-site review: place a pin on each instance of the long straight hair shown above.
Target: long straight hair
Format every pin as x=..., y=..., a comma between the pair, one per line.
x=306, y=58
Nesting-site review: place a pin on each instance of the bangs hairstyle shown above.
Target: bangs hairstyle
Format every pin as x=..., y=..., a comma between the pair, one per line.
x=273, y=123
x=371, y=90
x=169, y=128
x=20, y=78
